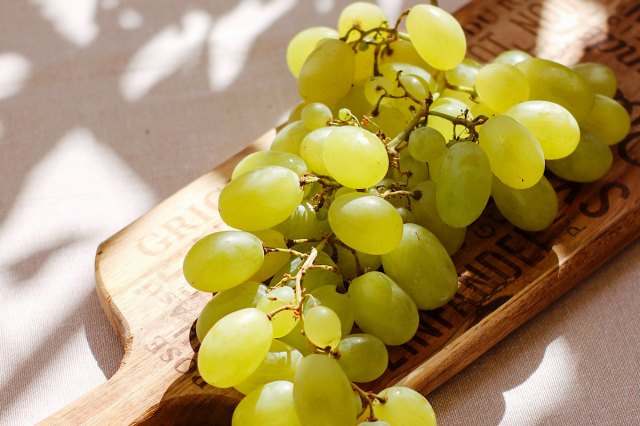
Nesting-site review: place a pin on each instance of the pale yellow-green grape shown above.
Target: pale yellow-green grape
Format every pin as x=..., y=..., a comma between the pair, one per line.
x=260, y=199
x=464, y=75
x=245, y=295
x=449, y=106
x=312, y=147
x=294, y=115
x=404, y=406
x=235, y=347
x=366, y=223
x=223, y=260
x=316, y=115
x=463, y=97
x=514, y=153
x=273, y=261
x=303, y=43
x=303, y=223
x=464, y=186
x=347, y=262
x=343, y=190
x=414, y=170
x=601, y=77
x=590, y=161
x=437, y=36
x=402, y=51
x=296, y=339
x=255, y=160
x=426, y=214
x=289, y=138
x=554, y=127
x=482, y=109
x=355, y=101
x=355, y=157
x=501, y=86
x=280, y=363
x=413, y=86
x=315, y=277
x=511, y=57
x=435, y=167
x=327, y=74
x=390, y=71
x=363, y=357
x=322, y=327
x=269, y=405
x=322, y=393
x=363, y=15
x=364, y=60
x=284, y=321
x=553, y=82
x=608, y=120
x=377, y=86
x=531, y=209
x=432, y=279
x=340, y=303
x=375, y=293
x=427, y=144
x=406, y=215
x=390, y=120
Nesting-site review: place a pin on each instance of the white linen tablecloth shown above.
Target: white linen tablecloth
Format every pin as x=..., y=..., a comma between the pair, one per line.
x=109, y=106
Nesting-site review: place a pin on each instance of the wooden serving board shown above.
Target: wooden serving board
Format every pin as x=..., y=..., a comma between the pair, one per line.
x=506, y=275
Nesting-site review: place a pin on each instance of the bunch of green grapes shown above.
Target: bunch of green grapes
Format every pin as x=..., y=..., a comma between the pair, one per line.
x=345, y=228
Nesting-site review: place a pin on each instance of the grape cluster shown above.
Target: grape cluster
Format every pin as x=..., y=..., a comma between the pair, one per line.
x=345, y=228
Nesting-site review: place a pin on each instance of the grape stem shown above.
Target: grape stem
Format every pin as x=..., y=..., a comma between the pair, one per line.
x=460, y=121
x=325, y=181
x=368, y=398
x=404, y=134
x=311, y=257
x=284, y=250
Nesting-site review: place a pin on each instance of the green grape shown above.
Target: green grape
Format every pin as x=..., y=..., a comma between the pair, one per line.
x=327, y=74
x=415, y=171
x=296, y=339
x=552, y=125
x=404, y=406
x=312, y=148
x=289, y=138
x=531, y=209
x=402, y=51
x=303, y=43
x=390, y=120
x=364, y=62
x=314, y=277
x=294, y=115
x=322, y=393
x=245, y=295
x=365, y=16
x=355, y=157
x=259, y=159
x=303, y=223
x=316, y=115
x=269, y=405
x=322, y=327
x=390, y=72
x=223, y=260
x=514, y=153
x=260, y=199
x=431, y=280
x=343, y=190
x=550, y=81
x=435, y=167
x=406, y=215
x=449, y=106
x=590, y=161
x=363, y=357
x=426, y=215
x=366, y=223
x=511, y=57
x=340, y=303
x=373, y=293
x=464, y=75
x=427, y=144
x=463, y=97
x=608, y=120
x=355, y=101
x=432, y=28
x=280, y=363
x=284, y=321
x=376, y=87
x=482, y=109
x=273, y=261
x=500, y=86
x=234, y=347
x=413, y=86
x=464, y=186
x=347, y=262
x=601, y=77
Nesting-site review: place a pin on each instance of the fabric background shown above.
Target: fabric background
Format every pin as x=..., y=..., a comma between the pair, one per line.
x=109, y=106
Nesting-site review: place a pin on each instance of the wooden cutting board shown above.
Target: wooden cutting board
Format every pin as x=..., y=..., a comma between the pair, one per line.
x=506, y=275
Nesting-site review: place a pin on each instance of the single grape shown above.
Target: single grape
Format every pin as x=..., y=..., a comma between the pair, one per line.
x=373, y=293
x=260, y=199
x=269, y=405
x=427, y=144
x=464, y=75
x=296, y=339
x=322, y=393
x=355, y=101
x=234, y=347
x=601, y=77
x=404, y=406
x=511, y=57
x=431, y=279
x=608, y=120
x=451, y=107
x=590, y=161
x=430, y=29
x=284, y=321
x=500, y=86
x=406, y=215
x=362, y=15
x=289, y=138
x=340, y=303
x=273, y=261
x=322, y=327
x=303, y=223
x=389, y=120
x=391, y=70
x=531, y=209
x=316, y=115
x=364, y=62
x=303, y=43
x=223, y=260
x=312, y=148
x=259, y=159
x=403, y=51
x=363, y=357
x=414, y=170
x=366, y=223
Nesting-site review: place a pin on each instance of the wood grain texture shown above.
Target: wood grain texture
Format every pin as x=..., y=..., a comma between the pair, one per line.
x=506, y=275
